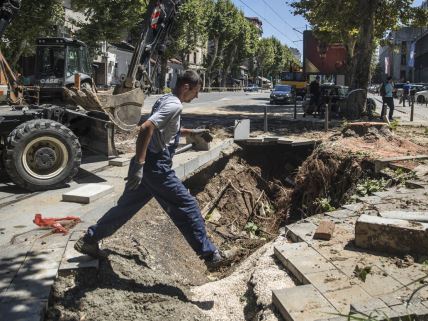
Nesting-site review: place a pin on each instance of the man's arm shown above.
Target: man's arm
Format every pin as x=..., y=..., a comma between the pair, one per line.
x=185, y=132
x=143, y=140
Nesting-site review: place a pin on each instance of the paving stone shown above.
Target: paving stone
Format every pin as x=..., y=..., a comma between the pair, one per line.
x=367, y=305
x=191, y=166
x=371, y=200
x=302, y=303
x=87, y=193
x=308, y=142
x=340, y=214
x=119, y=161
x=300, y=231
x=378, y=282
x=268, y=139
x=285, y=141
x=204, y=159
x=23, y=310
x=75, y=260
x=324, y=230
x=306, y=263
x=421, y=170
x=391, y=235
x=355, y=207
x=405, y=215
x=254, y=141
x=179, y=171
x=405, y=309
x=343, y=298
x=328, y=281
x=242, y=129
x=56, y=240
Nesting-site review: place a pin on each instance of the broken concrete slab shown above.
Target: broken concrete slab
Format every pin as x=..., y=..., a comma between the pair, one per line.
x=87, y=193
x=391, y=235
x=119, y=161
x=303, y=302
x=404, y=215
x=242, y=129
x=74, y=260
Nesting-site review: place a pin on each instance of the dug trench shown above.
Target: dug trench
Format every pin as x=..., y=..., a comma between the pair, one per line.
x=245, y=196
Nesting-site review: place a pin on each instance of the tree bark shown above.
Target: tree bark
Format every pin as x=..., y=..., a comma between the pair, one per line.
x=364, y=46
x=163, y=70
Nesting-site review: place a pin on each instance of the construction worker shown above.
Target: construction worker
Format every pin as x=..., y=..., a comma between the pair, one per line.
x=150, y=175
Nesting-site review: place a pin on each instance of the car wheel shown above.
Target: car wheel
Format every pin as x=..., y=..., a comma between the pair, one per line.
x=420, y=99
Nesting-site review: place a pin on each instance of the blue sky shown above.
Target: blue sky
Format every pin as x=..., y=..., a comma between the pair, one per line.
x=278, y=20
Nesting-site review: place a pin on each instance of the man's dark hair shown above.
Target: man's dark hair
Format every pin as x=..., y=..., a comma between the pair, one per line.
x=389, y=78
x=190, y=77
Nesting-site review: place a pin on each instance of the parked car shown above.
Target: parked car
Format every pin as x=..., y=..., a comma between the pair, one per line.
x=283, y=94
x=422, y=96
x=397, y=91
x=252, y=88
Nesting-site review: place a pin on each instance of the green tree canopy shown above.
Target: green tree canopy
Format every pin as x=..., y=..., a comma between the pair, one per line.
x=35, y=19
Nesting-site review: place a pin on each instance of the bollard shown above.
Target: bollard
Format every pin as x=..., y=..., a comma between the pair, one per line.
x=412, y=109
x=265, y=127
x=327, y=112
x=295, y=107
x=77, y=81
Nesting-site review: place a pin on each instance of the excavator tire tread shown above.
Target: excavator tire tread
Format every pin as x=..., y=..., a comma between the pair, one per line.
x=23, y=135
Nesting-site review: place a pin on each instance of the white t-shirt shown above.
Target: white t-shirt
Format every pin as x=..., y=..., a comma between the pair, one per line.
x=166, y=117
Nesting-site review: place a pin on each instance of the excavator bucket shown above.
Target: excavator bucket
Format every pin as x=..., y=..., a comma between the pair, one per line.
x=124, y=109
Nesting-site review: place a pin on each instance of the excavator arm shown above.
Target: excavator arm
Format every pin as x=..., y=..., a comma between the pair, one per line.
x=124, y=106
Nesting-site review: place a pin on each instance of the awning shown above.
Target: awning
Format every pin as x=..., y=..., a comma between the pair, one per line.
x=263, y=79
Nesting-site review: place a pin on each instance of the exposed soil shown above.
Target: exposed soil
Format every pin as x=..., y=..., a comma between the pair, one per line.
x=153, y=274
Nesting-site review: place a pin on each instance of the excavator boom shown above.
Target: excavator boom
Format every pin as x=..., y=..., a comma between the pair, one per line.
x=124, y=106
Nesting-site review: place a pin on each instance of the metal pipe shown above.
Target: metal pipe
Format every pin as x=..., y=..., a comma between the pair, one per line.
x=183, y=149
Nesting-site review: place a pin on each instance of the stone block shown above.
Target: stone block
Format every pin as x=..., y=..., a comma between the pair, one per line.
x=308, y=142
x=355, y=207
x=23, y=310
x=405, y=215
x=367, y=305
x=87, y=193
x=307, y=262
x=179, y=171
x=370, y=200
x=300, y=231
x=119, y=161
x=242, y=129
x=285, y=141
x=328, y=281
x=204, y=159
x=324, y=230
x=75, y=260
x=302, y=303
x=391, y=235
x=191, y=166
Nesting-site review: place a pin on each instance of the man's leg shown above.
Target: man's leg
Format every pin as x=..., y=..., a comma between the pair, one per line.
x=127, y=206
x=182, y=207
x=391, y=107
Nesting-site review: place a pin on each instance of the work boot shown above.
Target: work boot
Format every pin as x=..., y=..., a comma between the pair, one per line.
x=218, y=259
x=91, y=248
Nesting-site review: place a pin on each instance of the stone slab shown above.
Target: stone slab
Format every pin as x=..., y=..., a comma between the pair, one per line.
x=242, y=129
x=74, y=260
x=303, y=302
x=285, y=141
x=391, y=235
x=341, y=214
x=119, y=161
x=309, y=142
x=302, y=260
x=416, y=184
x=355, y=207
x=87, y=193
x=408, y=216
x=379, y=283
x=23, y=310
x=342, y=299
x=300, y=231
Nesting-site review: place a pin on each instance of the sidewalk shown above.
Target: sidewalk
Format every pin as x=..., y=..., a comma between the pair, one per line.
x=30, y=258
x=403, y=113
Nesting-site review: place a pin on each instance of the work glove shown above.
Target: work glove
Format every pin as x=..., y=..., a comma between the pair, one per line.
x=204, y=133
x=135, y=175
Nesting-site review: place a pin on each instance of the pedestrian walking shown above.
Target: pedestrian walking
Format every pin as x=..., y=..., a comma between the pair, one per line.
x=150, y=175
x=406, y=93
x=387, y=98
x=315, y=92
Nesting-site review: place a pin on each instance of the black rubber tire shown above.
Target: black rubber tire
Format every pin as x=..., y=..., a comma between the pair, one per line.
x=26, y=134
x=420, y=99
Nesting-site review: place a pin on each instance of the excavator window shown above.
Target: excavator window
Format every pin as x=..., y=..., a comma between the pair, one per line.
x=72, y=61
x=51, y=61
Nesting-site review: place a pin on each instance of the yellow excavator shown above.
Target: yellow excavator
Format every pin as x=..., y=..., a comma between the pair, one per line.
x=41, y=143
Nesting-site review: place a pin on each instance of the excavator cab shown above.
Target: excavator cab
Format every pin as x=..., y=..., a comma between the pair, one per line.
x=57, y=61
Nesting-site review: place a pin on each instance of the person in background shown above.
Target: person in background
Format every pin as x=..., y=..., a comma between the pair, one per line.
x=406, y=93
x=387, y=98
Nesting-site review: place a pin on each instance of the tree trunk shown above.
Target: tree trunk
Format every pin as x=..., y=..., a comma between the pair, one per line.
x=364, y=46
